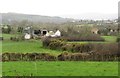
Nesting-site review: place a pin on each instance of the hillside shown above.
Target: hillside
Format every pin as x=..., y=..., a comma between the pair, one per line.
x=8, y=18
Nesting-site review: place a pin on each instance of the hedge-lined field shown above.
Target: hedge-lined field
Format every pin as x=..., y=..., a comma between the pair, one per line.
x=51, y=68
x=26, y=47
x=60, y=68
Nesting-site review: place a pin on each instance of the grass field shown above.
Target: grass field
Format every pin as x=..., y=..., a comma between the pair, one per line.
x=26, y=47
x=55, y=68
x=60, y=68
x=110, y=38
x=7, y=36
x=35, y=46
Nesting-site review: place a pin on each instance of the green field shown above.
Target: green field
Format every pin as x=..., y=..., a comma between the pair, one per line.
x=36, y=45
x=60, y=68
x=56, y=68
x=110, y=38
x=7, y=36
x=26, y=47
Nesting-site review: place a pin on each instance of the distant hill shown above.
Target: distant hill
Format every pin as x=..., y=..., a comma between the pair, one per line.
x=93, y=16
x=8, y=18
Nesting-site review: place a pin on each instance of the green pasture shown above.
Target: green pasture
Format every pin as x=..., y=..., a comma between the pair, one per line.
x=26, y=46
x=29, y=46
x=7, y=36
x=110, y=38
x=60, y=68
x=53, y=68
x=36, y=45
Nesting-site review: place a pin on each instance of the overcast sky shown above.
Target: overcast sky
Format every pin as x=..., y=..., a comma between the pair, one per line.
x=59, y=7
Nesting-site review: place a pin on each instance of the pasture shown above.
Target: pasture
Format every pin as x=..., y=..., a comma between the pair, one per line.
x=60, y=68
x=108, y=39
x=53, y=68
x=26, y=47
x=29, y=46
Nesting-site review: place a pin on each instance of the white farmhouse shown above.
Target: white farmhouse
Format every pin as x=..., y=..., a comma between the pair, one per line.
x=58, y=33
x=27, y=36
x=52, y=34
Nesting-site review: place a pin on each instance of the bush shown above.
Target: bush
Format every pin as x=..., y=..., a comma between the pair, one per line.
x=1, y=38
x=84, y=37
x=19, y=38
x=67, y=47
x=77, y=47
x=27, y=57
x=46, y=41
x=73, y=56
x=118, y=39
x=56, y=44
x=14, y=38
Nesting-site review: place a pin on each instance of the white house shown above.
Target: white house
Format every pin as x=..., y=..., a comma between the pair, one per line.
x=52, y=34
x=27, y=36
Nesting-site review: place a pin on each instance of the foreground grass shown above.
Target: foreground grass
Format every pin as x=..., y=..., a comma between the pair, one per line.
x=0, y=69
x=58, y=68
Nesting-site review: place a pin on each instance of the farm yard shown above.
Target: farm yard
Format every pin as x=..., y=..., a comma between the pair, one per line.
x=53, y=68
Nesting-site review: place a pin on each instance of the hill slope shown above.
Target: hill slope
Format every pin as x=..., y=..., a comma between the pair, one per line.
x=10, y=17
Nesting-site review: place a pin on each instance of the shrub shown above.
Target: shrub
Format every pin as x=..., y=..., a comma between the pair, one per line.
x=56, y=44
x=82, y=48
x=90, y=37
x=46, y=41
x=118, y=39
x=19, y=38
x=1, y=38
x=73, y=56
x=27, y=57
x=13, y=38
x=67, y=47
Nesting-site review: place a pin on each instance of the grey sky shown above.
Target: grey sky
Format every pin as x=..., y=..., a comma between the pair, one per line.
x=59, y=7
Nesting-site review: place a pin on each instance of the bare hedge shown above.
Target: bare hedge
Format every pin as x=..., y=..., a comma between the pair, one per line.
x=66, y=56
x=27, y=57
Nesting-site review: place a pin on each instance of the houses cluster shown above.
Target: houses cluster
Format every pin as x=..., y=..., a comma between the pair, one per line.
x=29, y=33
x=108, y=31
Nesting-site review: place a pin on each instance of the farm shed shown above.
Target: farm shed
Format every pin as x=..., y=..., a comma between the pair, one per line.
x=44, y=32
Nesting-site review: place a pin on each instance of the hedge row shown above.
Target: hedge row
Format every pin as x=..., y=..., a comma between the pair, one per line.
x=27, y=57
x=62, y=57
x=118, y=39
x=58, y=44
x=86, y=38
